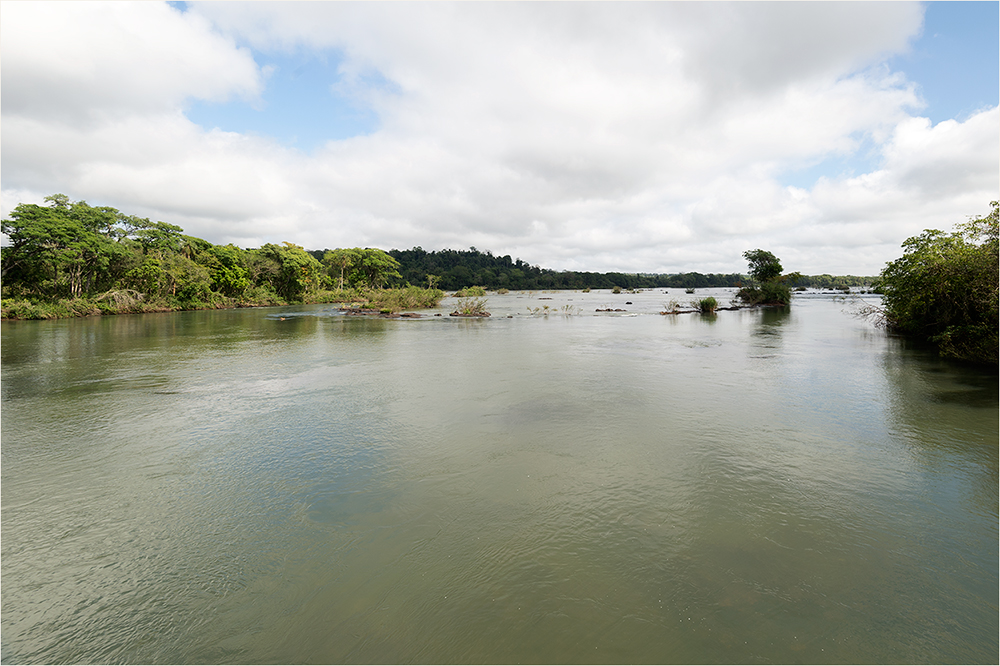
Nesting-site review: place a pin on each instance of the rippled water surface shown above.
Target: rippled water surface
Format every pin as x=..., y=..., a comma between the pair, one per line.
x=293, y=485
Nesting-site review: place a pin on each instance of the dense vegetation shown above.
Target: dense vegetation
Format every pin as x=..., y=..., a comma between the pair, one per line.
x=766, y=285
x=69, y=258
x=943, y=290
x=457, y=269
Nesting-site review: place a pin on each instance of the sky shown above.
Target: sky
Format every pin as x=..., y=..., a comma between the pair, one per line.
x=652, y=137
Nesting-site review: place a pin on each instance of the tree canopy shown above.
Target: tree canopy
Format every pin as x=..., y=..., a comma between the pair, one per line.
x=943, y=289
x=767, y=285
x=764, y=266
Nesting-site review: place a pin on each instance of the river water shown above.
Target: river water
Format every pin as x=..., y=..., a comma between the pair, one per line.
x=292, y=485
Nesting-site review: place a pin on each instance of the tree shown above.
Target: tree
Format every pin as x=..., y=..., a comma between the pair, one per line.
x=61, y=245
x=341, y=260
x=229, y=275
x=943, y=290
x=296, y=272
x=373, y=268
x=764, y=266
x=767, y=286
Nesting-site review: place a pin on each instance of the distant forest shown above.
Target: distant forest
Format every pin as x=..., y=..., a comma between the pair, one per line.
x=456, y=269
x=99, y=259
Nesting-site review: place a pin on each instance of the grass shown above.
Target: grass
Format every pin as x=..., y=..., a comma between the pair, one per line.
x=129, y=301
x=407, y=298
x=707, y=305
x=471, y=307
x=470, y=291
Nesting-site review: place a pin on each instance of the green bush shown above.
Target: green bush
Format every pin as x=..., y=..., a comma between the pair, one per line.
x=768, y=293
x=407, y=298
x=470, y=291
x=944, y=290
x=471, y=307
x=708, y=305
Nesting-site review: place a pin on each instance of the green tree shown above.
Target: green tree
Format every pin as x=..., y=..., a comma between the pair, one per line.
x=229, y=274
x=373, y=268
x=62, y=246
x=298, y=273
x=944, y=289
x=339, y=263
x=767, y=287
x=764, y=266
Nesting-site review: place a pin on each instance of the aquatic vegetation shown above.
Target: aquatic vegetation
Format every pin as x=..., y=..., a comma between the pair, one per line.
x=406, y=298
x=471, y=307
x=943, y=290
x=470, y=291
x=707, y=305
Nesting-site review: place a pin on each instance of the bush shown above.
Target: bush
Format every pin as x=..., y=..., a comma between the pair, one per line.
x=471, y=307
x=943, y=290
x=406, y=298
x=470, y=291
x=768, y=293
x=708, y=305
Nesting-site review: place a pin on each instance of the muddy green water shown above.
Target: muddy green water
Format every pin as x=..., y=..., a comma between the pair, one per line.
x=296, y=486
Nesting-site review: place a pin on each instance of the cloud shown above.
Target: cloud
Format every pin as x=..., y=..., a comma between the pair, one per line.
x=594, y=136
x=87, y=62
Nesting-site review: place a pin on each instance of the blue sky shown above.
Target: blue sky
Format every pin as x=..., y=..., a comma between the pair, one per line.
x=955, y=63
x=300, y=106
x=647, y=137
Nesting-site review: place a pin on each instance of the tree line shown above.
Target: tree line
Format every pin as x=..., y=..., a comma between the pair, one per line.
x=457, y=269
x=111, y=261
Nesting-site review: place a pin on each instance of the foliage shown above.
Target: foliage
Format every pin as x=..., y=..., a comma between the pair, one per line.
x=471, y=307
x=707, y=305
x=366, y=268
x=453, y=270
x=764, y=266
x=72, y=253
x=294, y=273
x=767, y=286
x=471, y=291
x=407, y=298
x=768, y=293
x=944, y=289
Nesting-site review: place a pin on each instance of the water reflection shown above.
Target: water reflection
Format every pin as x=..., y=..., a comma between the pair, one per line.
x=296, y=485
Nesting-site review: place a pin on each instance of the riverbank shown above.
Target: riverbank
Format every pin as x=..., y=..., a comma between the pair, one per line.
x=131, y=302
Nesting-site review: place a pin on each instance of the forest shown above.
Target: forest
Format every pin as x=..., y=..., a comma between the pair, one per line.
x=68, y=258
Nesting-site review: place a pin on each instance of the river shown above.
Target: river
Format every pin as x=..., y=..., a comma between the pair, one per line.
x=293, y=485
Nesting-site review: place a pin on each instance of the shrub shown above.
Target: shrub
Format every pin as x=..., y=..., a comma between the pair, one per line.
x=470, y=291
x=471, y=307
x=708, y=305
x=406, y=298
x=944, y=290
x=616, y=290
x=768, y=293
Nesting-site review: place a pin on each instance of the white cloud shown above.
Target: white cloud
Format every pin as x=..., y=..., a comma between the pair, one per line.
x=594, y=136
x=75, y=62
